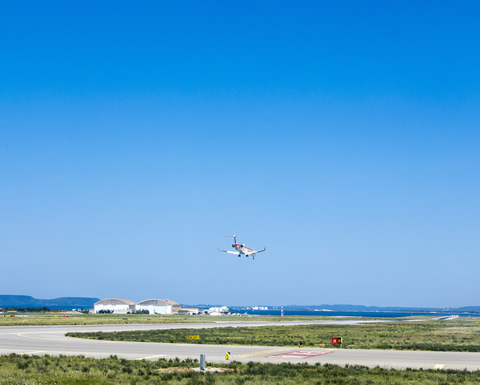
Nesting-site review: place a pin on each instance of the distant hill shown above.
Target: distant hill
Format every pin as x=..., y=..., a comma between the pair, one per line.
x=467, y=309
x=26, y=301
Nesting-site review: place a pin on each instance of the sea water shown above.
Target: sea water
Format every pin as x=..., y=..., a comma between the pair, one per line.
x=368, y=314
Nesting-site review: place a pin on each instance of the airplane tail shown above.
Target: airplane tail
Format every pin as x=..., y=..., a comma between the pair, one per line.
x=232, y=236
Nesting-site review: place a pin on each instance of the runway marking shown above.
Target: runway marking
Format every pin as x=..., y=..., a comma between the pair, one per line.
x=259, y=353
x=300, y=354
x=438, y=366
x=392, y=364
x=147, y=358
x=36, y=352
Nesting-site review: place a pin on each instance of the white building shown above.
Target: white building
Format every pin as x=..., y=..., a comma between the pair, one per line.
x=189, y=311
x=155, y=306
x=175, y=306
x=218, y=310
x=123, y=306
x=115, y=305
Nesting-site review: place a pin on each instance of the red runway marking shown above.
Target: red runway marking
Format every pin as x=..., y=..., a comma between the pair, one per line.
x=299, y=354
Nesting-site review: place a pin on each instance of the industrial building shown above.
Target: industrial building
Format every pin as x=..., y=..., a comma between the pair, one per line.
x=174, y=306
x=155, y=306
x=192, y=311
x=115, y=305
x=124, y=306
x=218, y=310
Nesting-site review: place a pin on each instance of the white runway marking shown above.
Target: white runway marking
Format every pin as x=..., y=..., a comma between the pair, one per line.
x=259, y=353
x=149, y=357
x=438, y=366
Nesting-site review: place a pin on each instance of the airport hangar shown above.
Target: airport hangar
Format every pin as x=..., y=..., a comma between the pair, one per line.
x=124, y=306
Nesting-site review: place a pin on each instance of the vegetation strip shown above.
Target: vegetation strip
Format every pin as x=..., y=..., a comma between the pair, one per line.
x=67, y=318
x=78, y=370
x=62, y=318
x=459, y=335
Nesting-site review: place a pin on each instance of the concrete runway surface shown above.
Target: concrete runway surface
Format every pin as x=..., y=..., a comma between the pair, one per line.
x=40, y=340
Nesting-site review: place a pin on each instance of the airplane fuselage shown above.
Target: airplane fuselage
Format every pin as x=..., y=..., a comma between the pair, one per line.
x=242, y=249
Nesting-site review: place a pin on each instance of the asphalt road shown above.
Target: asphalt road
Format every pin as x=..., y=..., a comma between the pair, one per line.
x=51, y=340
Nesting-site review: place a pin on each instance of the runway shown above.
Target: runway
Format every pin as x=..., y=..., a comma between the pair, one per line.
x=40, y=340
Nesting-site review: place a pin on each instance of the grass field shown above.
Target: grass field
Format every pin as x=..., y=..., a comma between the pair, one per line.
x=46, y=319
x=93, y=319
x=456, y=335
x=76, y=370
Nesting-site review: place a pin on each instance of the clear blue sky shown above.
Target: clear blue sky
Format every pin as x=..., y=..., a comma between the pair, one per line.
x=344, y=136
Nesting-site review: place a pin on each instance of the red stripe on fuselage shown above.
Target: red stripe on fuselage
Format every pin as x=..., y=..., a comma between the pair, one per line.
x=237, y=245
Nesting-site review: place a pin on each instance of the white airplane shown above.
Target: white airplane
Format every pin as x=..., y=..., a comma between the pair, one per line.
x=241, y=248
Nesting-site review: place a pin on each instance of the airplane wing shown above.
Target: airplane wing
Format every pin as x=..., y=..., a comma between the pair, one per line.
x=229, y=252
x=255, y=251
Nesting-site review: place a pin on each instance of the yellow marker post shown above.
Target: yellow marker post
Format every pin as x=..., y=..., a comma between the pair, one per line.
x=227, y=355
